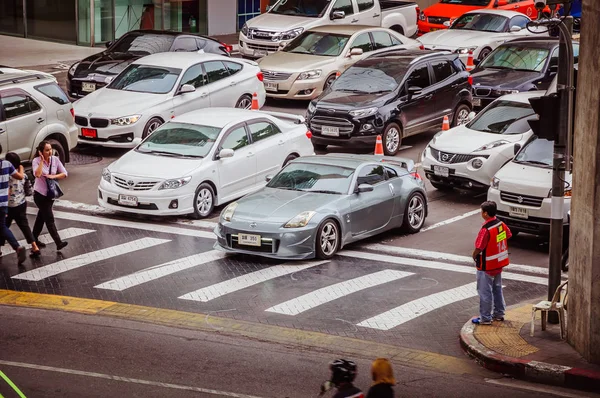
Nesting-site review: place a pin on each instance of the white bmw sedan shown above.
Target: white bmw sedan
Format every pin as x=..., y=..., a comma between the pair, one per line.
x=469, y=155
x=159, y=87
x=203, y=159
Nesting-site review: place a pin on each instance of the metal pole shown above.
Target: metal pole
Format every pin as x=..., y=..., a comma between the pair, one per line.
x=564, y=88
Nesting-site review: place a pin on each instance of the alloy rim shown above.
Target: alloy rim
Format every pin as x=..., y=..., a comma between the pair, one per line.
x=329, y=82
x=204, y=201
x=392, y=140
x=153, y=126
x=462, y=117
x=416, y=212
x=244, y=103
x=329, y=238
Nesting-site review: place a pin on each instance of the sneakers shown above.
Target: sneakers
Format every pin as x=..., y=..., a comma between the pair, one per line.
x=61, y=245
x=479, y=321
x=21, y=254
x=41, y=245
x=498, y=318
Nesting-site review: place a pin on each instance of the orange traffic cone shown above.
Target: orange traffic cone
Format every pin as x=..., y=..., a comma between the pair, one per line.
x=379, y=146
x=470, y=65
x=254, y=102
x=446, y=123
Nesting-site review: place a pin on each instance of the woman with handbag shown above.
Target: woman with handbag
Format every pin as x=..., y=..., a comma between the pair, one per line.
x=47, y=170
x=17, y=204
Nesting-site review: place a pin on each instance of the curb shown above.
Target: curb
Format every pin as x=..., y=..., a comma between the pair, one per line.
x=539, y=372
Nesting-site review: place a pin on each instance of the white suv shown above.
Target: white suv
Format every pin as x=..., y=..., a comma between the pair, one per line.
x=34, y=108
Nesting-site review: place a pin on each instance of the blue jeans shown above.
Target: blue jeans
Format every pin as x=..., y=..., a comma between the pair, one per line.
x=5, y=232
x=490, y=295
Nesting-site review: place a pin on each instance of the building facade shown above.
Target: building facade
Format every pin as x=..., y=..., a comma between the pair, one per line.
x=95, y=22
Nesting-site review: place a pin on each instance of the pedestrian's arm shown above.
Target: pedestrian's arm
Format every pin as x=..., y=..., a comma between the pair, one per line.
x=18, y=174
x=476, y=253
x=38, y=167
x=62, y=172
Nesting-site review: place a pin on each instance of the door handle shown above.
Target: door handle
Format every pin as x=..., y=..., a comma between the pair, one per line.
x=427, y=97
x=354, y=21
x=203, y=95
x=517, y=6
x=2, y=131
x=233, y=83
x=455, y=85
x=281, y=143
x=392, y=189
x=249, y=155
x=40, y=120
x=376, y=15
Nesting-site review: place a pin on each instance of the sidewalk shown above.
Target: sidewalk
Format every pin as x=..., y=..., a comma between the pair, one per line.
x=506, y=347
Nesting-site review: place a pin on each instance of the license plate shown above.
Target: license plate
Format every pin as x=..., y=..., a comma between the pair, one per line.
x=476, y=102
x=441, y=171
x=271, y=86
x=260, y=53
x=89, y=133
x=249, y=240
x=127, y=200
x=332, y=131
x=518, y=212
x=88, y=87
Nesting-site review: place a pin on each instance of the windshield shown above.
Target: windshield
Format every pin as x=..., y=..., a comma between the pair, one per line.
x=146, y=79
x=466, y=2
x=311, y=177
x=301, y=8
x=143, y=44
x=517, y=58
x=538, y=152
x=373, y=76
x=318, y=43
x=481, y=22
x=504, y=117
x=180, y=140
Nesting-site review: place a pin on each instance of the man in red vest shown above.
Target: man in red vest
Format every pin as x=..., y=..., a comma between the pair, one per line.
x=490, y=255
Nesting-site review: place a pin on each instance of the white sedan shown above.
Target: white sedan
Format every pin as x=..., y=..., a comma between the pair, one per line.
x=479, y=31
x=159, y=87
x=469, y=155
x=203, y=159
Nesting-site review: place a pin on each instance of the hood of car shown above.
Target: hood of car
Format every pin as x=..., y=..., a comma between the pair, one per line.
x=448, y=10
x=456, y=38
x=107, y=102
x=344, y=100
x=525, y=179
x=464, y=140
x=278, y=22
x=280, y=205
x=105, y=63
x=503, y=78
x=156, y=167
x=290, y=62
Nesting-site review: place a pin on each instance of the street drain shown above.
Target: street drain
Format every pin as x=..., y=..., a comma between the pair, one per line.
x=78, y=158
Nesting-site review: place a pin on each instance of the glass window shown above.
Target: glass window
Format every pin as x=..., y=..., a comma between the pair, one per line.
x=143, y=44
x=201, y=43
x=363, y=41
x=233, y=67
x=313, y=177
x=194, y=76
x=516, y=57
x=391, y=173
x=146, y=79
x=343, y=5
x=185, y=44
x=364, y=5
x=262, y=130
x=503, y=117
x=371, y=175
x=51, y=19
x=302, y=8
x=381, y=40
x=180, y=139
x=11, y=17
x=538, y=152
x=235, y=139
x=395, y=41
x=442, y=70
x=519, y=21
x=54, y=92
x=215, y=70
x=419, y=77
x=318, y=43
x=481, y=22
x=374, y=75
x=16, y=105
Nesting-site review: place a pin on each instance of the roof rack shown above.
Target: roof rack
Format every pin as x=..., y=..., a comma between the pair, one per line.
x=20, y=78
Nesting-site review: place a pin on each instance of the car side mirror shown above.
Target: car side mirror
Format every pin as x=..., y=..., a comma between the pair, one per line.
x=515, y=28
x=355, y=52
x=414, y=90
x=268, y=177
x=471, y=116
x=186, y=88
x=476, y=61
x=517, y=148
x=553, y=69
x=226, y=153
x=338, y=15
x=109, y=43
x=501, y=3
x=365, y=188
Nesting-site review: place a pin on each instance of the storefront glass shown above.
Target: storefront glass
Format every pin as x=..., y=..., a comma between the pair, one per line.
x=186, y=16
x=136, y=14
x=103, y=21
x=247, y=9
x=11, y=17
x=52, y=19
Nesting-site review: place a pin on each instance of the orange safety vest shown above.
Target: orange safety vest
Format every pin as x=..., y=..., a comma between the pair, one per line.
x=495, y=255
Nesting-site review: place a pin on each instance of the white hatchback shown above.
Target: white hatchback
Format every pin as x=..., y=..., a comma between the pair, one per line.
x=159, y=87
x=203, y=159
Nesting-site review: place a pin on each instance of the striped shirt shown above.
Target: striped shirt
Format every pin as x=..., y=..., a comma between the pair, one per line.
x=6, y=170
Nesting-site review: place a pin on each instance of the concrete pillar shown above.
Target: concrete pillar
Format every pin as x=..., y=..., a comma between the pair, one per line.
x=584, y=251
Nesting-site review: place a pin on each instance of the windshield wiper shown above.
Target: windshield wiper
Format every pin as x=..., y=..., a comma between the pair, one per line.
x=287, y=188
x=177, y=155
x=348, y=90
x=535, y=162
x=322, y=191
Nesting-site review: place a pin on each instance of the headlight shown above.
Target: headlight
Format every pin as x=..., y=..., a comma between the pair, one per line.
x=504, y=92
x=364, y=112
x=495, y=183
x=125, y=120
x=311, y=74
x=176, y=183
x=477, y=163
x=227, y=214
x=422, y=16
x=465, y=50
x=244, y=30
x=300, y=220
x=311, y=107
x=106, y=174
x=492, y=145
x=72, y=68
x=290, y=34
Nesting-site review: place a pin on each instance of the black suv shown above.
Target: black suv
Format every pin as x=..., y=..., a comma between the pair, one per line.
x=94, y=71
x=395, y=93
x=525, y=64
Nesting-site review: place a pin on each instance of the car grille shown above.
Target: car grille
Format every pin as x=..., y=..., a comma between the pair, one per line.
x=272, y=75
x=317, y=122
x=528, y=200
x=437, y=20
x=447, y=157
x=258, y=34
x=99, y=123
x=135, y=186
x=81, y=121
x=263, y=47
x=483, y=92
x=266, y=246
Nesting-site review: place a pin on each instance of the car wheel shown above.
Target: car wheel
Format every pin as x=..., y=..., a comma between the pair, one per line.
x=58, y=150
x=328, y=240
x=152, y=125
x=329, y=82
x=414, y=214
x=204, y=201
x=565, y=261
x=484, y=53
x=319, y=147
x=392, y=138
x=288, y=159
x=461, y=115
x=441, y=187
x=245, y=102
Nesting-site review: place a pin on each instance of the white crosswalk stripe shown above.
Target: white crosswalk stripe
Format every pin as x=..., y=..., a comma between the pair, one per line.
x=336, y=291
x=84, y=259
x=65, y=234
x=244, y=281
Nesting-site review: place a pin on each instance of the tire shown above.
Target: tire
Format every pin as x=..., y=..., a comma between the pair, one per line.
x=328, y=236
x=484, y=53
x=58, y=150
x=392, y=139
x=461, y=115
x=329, y=82
x=319, y=147
x=441, y=187
x=204, y=201
x=288, y=159
x=152, y=125
x=244, y=102
x=415, y=206
x=565, y=261
x=398, y=29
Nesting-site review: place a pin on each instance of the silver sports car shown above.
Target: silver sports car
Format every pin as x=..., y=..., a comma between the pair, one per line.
x=317, y=204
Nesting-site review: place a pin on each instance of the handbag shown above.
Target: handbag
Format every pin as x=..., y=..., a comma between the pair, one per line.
x=27, y=187
x=54, y=191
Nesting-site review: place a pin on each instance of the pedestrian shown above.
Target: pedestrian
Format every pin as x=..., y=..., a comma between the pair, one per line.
x=46, y=167
x=490, y=255
x=343, y=373
x=7, y=171
x=383, y=379
x=17, y=204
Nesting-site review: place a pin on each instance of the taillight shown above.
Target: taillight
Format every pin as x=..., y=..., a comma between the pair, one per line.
x=309, y=134
x=228, y=47
x=470, y=80
x=260, y=76
x=418, y=12
x=416, y=175
x=421, y=47
x=72, y=112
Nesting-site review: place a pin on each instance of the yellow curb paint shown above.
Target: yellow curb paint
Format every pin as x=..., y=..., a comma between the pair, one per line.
x=259, y=332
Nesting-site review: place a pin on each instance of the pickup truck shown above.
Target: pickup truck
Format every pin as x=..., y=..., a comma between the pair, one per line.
x=286, y=19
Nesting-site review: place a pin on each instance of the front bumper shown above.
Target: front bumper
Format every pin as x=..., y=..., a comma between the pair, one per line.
x=291, y=88
x=75, y=85
x=351, y=132
x=276, y=241
x=426, y=27
x=110, y=136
